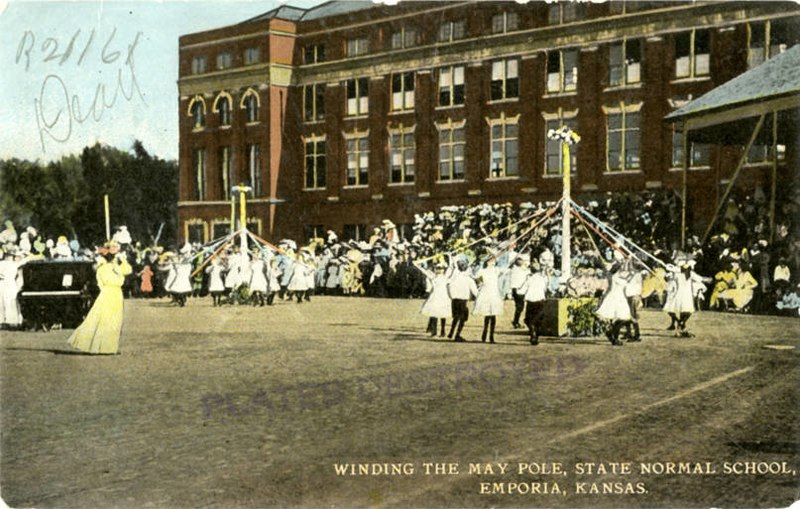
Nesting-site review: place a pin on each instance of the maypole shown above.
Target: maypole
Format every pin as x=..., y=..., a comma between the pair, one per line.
x=242, y=190
x=567, y=137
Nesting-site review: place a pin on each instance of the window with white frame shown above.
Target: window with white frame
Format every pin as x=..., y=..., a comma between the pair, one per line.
x=199, y=168
x=196, y=231
x=226, y=177
x=692, y=54
x=315, y=162
x=224, y=110
x=197, y=110
x=564, y=12
x=624, y=63
x=452, y=147
x=554, y=149
x=404, y=38
x=250, y=105
x=314, y=102
x=762, y=154
x=504, y=156
x=357, y=232
x=403, y=91
x=450, y=31
x=199, y=64
x=451, y=85
x=252, y=56
x=357, y=46
x=314, y=53
x=505, y=79
x=562, y=70
x=224, y=60
x=622, y=137
x=402, y=155
x=699, y=155
x=357, y=96
x=254, y=167
x=505, y=22
x=357, y=146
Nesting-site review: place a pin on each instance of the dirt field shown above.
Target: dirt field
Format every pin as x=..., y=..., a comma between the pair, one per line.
x=253, y=407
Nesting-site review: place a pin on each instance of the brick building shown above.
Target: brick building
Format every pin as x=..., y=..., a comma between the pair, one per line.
x=351, y=112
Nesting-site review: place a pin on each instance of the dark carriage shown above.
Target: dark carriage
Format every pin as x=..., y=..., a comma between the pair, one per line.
x=57, y=293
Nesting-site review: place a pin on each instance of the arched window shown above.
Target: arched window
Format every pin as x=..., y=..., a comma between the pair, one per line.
x=197, y=110
x=250, y=104
x=224, y=110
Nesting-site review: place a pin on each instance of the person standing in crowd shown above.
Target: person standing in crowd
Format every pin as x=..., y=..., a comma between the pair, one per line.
x=182, y=282
x=437, y=307
x=489, y=303
x=285, y=267
x=614, y=305
x=633, y=292
x=461, y=288
x=100, y=331
x=680, y=296
x=273, y=279
x=534, y=291
x=146, y=278
x=258, y=279
x=298, y=283
x=518, y=275
x=10, y=315
x=216, y=285
x=233, y=278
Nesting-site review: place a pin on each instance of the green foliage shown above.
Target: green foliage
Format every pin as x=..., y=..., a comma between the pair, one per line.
x=65, y=197
x=581, y=320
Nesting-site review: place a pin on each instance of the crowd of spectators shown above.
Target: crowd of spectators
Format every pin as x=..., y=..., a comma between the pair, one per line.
x=386, y=265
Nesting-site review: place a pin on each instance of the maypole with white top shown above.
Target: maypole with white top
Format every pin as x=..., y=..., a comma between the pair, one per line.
x=567, y=137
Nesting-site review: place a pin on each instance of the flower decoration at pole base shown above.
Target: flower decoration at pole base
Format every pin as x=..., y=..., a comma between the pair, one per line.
x=564, y=134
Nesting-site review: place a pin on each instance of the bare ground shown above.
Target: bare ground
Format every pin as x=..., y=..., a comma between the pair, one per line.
x=251, y=407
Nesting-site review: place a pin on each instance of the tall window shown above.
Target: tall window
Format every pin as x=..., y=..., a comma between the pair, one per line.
x=252, y=56
x=357, y=96
x=199, y=64
x=562, y=70
x=313, y=231
x=357, y=158
x=505, y=22
x=760, y=154
x=450, y=31
x=227, y=179
x=314, y=102
x=554, y=153
x=452, y=143
x=403, y=91
x=357, y=46
x=224, y=60
x=699, y=156
x=769, y=38
x=504, y=159
x=505, y=79
x=224, y=110
x=197, y=109
x=692, y=51
x=315, y=163
x=314, y=53
x=199, y=167
x=451, y=85
x=624, y=63
x=254, y=167
x=622, y=135
x=196, y=231
x=250, y=105
x=402, y=152
x=564, y=12
x=404, y=38
x=355, y=232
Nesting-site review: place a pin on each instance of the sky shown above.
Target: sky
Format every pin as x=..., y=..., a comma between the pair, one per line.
x=78, y=72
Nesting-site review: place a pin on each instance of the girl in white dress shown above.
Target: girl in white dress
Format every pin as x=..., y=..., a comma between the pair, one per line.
x=489, y=303
x=680, y=295
x=216, y=286
x=258, y=279
x=614, y=306
x=437, y=306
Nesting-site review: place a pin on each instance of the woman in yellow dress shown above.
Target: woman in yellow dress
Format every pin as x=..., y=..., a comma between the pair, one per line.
x=99, y=333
